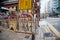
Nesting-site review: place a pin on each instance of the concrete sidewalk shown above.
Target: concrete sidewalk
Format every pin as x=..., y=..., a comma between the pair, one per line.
x=6, y=34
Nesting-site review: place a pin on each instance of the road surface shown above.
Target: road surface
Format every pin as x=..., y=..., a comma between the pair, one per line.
x=55, y=22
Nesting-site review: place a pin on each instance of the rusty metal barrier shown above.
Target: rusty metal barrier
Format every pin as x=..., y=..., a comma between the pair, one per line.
x=22, y=24
x=25, y=25
x=12, y=23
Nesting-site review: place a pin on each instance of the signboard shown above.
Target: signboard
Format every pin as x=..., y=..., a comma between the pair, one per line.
x=24, y=4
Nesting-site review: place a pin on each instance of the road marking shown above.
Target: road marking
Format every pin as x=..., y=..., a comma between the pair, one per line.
x=57, y=33
x=47, y=30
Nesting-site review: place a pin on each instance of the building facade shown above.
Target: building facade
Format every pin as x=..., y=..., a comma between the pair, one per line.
x=53, y=7
x=56, y=6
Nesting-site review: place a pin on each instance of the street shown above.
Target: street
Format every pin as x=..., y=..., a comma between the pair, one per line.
x=55, y=22
x=29, y=19
x=50, y=28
